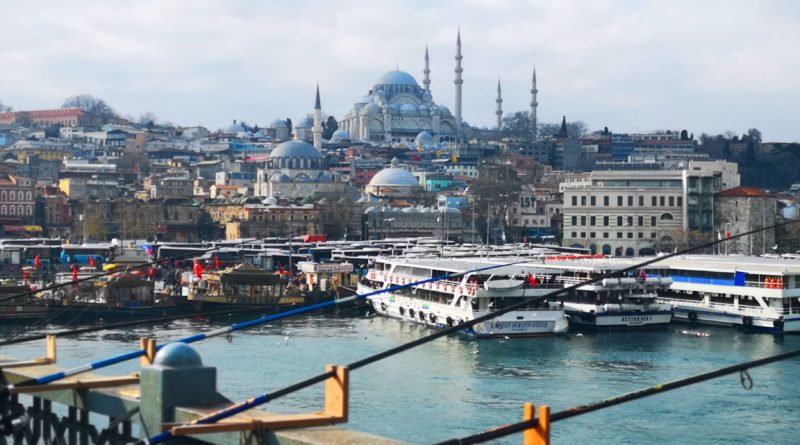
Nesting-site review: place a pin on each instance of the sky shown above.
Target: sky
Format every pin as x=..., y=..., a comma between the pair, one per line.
x=704, y=66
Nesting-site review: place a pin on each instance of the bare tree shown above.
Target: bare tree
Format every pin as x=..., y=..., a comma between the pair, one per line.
x=3, y=107
x=92, y=105
x=149, y=119
x=23, y=118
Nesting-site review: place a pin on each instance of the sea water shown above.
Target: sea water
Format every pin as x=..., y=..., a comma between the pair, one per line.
x=457, y=386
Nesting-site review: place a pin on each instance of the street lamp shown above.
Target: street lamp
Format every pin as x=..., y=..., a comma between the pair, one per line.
x=83, y=235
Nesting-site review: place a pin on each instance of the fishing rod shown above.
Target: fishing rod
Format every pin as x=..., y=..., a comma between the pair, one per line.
x=259, y=400
x=5, y=391
x=505, y=430
x=137, y=266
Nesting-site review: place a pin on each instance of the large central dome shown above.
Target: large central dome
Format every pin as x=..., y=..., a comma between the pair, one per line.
x=397, y=77
x=295, y=149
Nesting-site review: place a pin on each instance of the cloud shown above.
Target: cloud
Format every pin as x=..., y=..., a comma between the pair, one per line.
x=704, y=66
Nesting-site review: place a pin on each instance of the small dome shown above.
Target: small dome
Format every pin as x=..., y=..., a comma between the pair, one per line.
x=408, y=110
x=427, y=97
x=235, y=128
x=444, y=110
x=372, y=209
x=295, y=149
x=178, y=355
x=422, y=109
x=345, y=201
x=340, y=136
x=371, y=108
x=271, y=201
x=303, y=178
x=283, y=178
x=424, y=138
x=277, y=123
x=394, y=109
x=323, y=202
x=394, y=176
x=396, y=77
x=305, y=122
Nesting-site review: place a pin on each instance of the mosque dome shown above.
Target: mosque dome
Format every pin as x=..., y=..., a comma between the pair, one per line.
x=423, y=110
x=396, y=77
x=340, y=135
x=235, y=128
x=305, y=122
x=408, y=110
x=427, y=96
x=277, y=123
x=444, y=110
x=394, y=176
x=424, y=138
x=295, y=149
x=270, y=201
x=393, y=108
x=371, y=108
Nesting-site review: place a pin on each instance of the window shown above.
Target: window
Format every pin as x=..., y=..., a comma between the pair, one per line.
x=666, y=217
x=574, y=220
x=12, y=196
x=605, y=234
x=630, y=201
x=652, y=221
x=641, y=235
x=592, y=200
x=583, y=200
x=672, y=201
x=605, y=201
x=592, y=221
x=583, y=220
x=661, y=201
x=12, y=210
x=641, y=221
x=653, y=201
x=641, y=201
x=28, y=196
x=3, y=210
x=680, y=201
x=619, y=234
x=605, y=221
x=653, y=235
x=630, y=221
x=630, y=234
x=619, y=200
x=574, y=200
x=583, y=234
x=619, y=221
x=574, y=234
x=592, y=235
x=29, y=210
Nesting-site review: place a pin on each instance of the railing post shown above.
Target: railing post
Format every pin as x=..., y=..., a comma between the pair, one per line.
x=540, y=434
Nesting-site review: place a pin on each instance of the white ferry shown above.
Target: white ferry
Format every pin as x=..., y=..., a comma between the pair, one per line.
x=627, y=303
x=449, y=302
x=753, y=293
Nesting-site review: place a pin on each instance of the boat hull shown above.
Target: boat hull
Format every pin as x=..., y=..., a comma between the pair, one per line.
x=598, y=317
x=731, y=317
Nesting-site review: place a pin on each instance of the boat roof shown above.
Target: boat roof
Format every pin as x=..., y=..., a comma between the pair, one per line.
x=731, y=263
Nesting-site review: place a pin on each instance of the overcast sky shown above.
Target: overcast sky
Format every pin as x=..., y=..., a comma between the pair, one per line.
x=630, y=65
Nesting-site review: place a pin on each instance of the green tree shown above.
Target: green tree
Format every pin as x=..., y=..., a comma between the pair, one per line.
x=328, y=127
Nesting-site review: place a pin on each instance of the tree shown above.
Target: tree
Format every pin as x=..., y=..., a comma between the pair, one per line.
x=517, y=125
x=148, y=119
x=497, y=189
x=91, y=105
x=328, y=127
x=23, y=118
x=289, y=124
x=3, y=107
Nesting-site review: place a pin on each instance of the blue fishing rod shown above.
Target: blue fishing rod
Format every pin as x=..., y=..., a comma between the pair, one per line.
x=5, y=391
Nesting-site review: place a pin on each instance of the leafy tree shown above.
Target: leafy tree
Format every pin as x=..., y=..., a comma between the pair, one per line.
x=328, y=127
x=92, y=105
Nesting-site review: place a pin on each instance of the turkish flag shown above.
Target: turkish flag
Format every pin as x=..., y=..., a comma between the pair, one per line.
x=198, y=269
x=531, y=280
x=37, y=262
x=75, y=274
x=727, y=234
x=91, y=261
x=216, y=262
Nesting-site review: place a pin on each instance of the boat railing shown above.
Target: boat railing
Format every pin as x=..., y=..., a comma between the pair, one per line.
x=725, y=307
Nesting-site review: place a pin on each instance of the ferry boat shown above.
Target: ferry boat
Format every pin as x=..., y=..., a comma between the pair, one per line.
x=627, y=303
x=241, y=286
x=449, y=302
x=752, y=293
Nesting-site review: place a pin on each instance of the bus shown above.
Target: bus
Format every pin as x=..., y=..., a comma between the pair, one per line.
x=101, y=253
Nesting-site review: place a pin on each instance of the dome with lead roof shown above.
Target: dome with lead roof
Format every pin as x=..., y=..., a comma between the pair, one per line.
x=295, y=149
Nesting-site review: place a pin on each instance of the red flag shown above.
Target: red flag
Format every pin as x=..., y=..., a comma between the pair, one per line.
x=75, y=274
x=216, y=262
x=280, y=270
x=198, y=269
x=91, y=261
x=644, y=275
x=727, y=234
x=151, y=271
x=531, y=280
x=37, y=262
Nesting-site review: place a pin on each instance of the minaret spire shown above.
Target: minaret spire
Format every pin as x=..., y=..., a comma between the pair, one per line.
x=458, y=82
x=534, y=103
x=317, y=130
x=499, y=101
x=427, y=72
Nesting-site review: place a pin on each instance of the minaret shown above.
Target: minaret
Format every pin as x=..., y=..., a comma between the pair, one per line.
x=458, y=82
x=427, y=72
x=499, y=101
x=317, y=130
x=534, y=104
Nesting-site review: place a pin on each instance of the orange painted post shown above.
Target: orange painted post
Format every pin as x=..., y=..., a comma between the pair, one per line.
x=51, y=349
x=540, y=434
x=149, y=347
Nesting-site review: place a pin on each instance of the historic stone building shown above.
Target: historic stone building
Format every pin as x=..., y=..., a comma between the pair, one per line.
x=296, y=169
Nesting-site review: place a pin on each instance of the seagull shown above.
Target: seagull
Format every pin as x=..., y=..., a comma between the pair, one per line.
x=775, y=247
x=286, y=338
x=579, y=334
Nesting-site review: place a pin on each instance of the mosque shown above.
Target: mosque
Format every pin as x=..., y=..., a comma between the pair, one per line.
x=396, y=109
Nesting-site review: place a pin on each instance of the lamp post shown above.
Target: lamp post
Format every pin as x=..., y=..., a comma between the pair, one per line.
x=83, y=234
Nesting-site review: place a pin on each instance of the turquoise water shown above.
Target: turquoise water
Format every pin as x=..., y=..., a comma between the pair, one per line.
x=455, y=386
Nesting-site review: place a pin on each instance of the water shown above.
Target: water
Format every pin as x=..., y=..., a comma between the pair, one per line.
x=455, y=386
